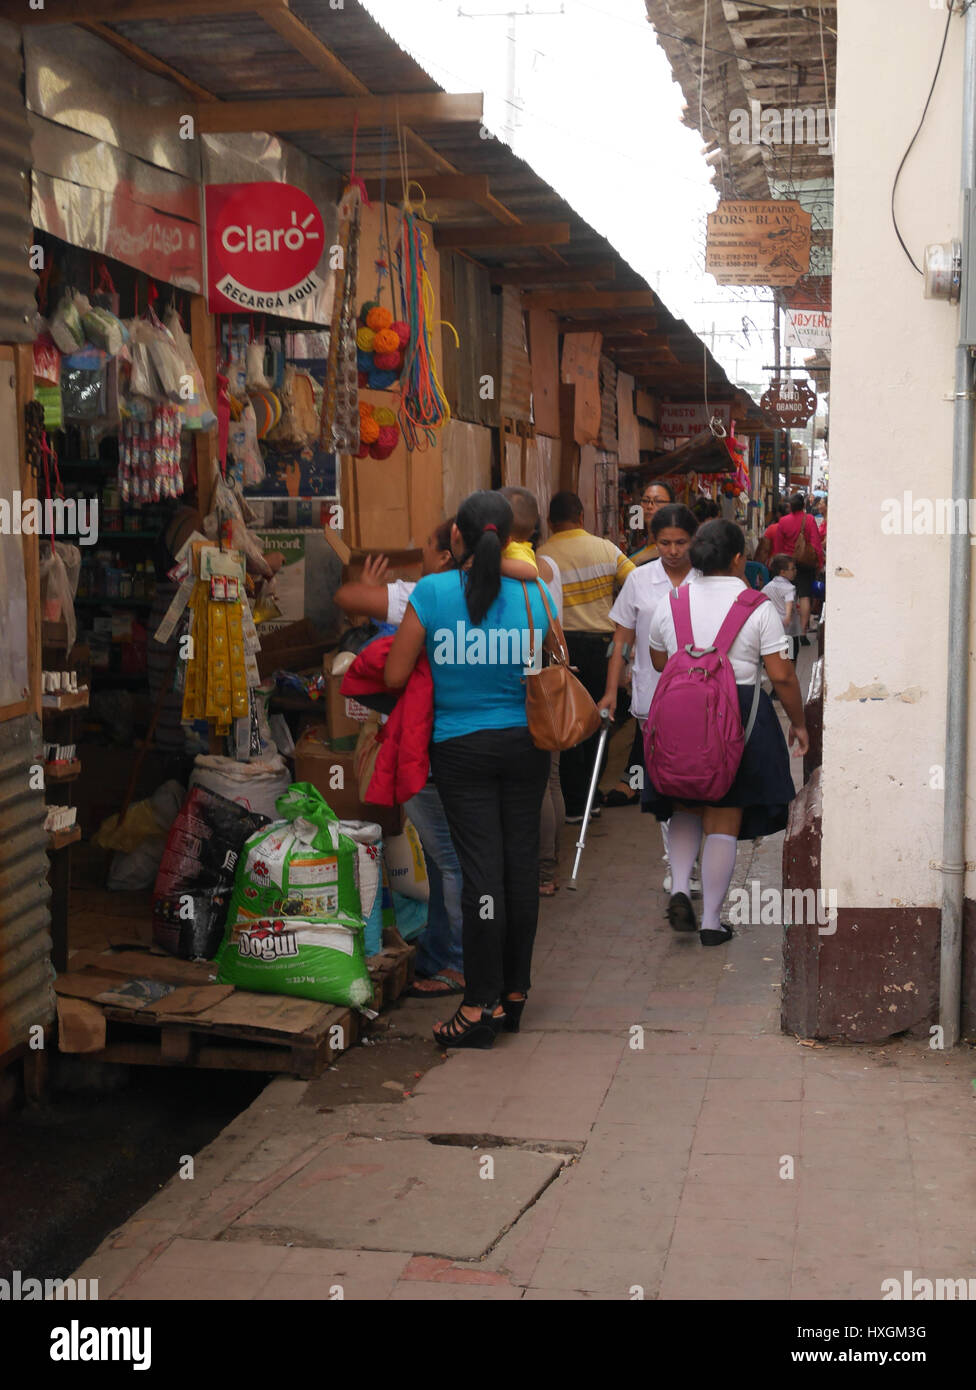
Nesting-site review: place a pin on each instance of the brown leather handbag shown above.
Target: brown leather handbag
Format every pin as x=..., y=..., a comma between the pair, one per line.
x=561, y=712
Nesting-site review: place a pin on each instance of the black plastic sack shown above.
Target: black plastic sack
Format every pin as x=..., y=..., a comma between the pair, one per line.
x=196, y=875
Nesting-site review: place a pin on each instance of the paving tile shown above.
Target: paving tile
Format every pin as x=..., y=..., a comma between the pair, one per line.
x=111, y=1267
x=183, y=1284
x=841, y=1277
x=416, y=1291
x=609, y=1275
x=734, y=1090
x=725, y=1277
x=706, y=1238
x=239, y=1257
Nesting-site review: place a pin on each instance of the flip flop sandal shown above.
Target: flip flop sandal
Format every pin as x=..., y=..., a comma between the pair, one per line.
x=452, y=988
x=548, y=890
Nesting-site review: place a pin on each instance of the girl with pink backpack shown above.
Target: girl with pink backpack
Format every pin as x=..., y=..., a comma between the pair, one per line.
x=718, y=766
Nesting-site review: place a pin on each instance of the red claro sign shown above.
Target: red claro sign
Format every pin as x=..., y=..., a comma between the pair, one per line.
x=790, y=404
x=264, y=241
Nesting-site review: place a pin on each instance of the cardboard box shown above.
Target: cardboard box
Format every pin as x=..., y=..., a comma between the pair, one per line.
x=321, y=765
x=340, y=710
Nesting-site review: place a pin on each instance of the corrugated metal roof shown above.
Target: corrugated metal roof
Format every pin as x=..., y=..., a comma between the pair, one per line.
x=242, y=56
x=17, y=280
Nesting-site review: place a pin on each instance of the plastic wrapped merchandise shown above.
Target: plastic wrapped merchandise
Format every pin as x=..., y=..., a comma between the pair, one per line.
x=294, y=925
x=254, y=785
x=197, y=873
x=198, y=414
x=59, y=568
x=369, y=842
x=406, y=865
x=66, y=326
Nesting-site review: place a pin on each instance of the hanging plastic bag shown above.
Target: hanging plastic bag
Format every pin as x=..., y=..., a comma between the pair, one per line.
x=104, y=330
x=198, y=413
x=84, y=385
x=66, y=326
x=47, y=360
x=242, y=447
x=229, y=505
x=57, y=592
x=256, y=378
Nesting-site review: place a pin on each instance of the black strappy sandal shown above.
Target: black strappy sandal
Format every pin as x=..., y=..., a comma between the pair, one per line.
x=467, y=1032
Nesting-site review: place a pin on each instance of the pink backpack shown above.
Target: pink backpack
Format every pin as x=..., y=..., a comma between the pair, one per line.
x=693, y=740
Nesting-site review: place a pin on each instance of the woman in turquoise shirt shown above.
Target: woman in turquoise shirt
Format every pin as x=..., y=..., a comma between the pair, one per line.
x=473, y=624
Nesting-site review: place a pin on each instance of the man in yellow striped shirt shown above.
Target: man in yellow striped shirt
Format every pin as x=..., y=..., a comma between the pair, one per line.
x=593, y=570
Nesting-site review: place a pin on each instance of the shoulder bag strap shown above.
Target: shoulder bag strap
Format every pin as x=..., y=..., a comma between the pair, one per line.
x=555, y=638
x=681, y=613
x=745, y=604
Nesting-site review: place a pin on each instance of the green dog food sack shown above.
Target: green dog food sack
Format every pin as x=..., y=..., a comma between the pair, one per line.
x=294, y=924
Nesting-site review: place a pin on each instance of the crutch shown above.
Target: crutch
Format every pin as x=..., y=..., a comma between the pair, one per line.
x=581, y=842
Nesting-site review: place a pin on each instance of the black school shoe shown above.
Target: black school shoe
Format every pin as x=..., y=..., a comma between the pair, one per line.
x=681, y=914
x=711, y=937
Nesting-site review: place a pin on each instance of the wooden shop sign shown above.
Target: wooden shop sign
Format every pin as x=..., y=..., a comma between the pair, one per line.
x=758, y=243
x=789, y=404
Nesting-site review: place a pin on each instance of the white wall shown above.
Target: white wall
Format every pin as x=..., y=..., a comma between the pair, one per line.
x=890, y=432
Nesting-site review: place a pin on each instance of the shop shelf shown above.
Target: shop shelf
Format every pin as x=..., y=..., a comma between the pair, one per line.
x=58, y=701
x=63, y=771
x=61, y=839
x=102, y=602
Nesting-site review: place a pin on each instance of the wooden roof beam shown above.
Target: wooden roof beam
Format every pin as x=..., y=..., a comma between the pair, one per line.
x=130, y=11
x=333, y=113
x=568, y=300
x=554, y=275
x=640, y=323
x=448, y=236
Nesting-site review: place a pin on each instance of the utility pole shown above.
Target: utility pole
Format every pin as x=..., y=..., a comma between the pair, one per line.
x=511, y=57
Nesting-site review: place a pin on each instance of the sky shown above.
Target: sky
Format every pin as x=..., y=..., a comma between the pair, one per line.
x=585, y=95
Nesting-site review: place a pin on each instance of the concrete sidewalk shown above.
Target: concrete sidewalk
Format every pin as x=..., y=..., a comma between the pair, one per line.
x=650, y=1133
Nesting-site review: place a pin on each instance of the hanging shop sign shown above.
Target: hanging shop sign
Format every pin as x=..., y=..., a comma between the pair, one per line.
x=685, y=419
x=264, y=244
x=807, y=328
x=790, y=404
x=758, y=243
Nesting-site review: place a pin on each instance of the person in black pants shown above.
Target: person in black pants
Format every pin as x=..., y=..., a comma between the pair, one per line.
x=472, y=623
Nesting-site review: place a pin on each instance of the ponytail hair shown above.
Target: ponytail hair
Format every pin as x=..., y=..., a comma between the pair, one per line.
x=715, y=546
x=485, y=522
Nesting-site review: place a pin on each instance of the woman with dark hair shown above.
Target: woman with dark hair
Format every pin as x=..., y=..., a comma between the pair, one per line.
x=758, y=801
x=788, y=531
x=672, y=528
x=654, y=496
x=473, y=624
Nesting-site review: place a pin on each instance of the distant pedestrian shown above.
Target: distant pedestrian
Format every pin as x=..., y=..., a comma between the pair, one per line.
x=757, y=802
x=592, y=570
x=788, y=531
x=781, y=592
x=653, y=497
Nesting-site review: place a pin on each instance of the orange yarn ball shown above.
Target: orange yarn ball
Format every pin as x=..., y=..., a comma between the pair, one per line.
x=386, y=341
x=369, y=430
x=378, y=318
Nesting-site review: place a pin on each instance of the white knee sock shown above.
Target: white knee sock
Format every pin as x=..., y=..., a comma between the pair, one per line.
x=684, y=839
x=717, y=868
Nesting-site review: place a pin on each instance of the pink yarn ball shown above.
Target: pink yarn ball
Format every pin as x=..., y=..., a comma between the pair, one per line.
x=377, y=452
x=388, y=437
x=402, y=330
x=388, y=361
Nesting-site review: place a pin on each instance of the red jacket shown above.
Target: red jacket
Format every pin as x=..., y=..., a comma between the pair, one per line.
x=402, y=763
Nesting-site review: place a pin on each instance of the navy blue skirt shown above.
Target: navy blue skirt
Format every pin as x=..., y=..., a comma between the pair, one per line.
x=763, y=785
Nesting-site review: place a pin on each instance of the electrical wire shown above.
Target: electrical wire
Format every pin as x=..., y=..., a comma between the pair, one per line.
x=928, y=99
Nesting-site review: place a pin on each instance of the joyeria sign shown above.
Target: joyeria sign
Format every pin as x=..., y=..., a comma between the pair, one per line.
x=264, y=241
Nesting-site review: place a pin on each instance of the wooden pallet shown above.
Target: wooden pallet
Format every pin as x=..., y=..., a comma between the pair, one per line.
x=106, y=1010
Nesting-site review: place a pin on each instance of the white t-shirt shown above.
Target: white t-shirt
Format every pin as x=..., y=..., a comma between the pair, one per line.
x=780, y=592
x=397, y=596
x=710, y=599
x=642, y=594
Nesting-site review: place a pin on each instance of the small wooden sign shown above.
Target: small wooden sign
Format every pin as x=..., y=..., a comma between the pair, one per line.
x=758, y=243
x=790, y=404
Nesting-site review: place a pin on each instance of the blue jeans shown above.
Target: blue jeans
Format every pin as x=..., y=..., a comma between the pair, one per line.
x=439, y=947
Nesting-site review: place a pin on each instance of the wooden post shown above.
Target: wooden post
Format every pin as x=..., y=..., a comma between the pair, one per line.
x=203, y=340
